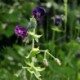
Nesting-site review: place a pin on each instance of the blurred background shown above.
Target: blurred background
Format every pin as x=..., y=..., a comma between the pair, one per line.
x=62, y=39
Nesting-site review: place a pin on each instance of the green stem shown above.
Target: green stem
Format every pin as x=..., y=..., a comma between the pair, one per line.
x=53, y=38
x=50, y=55
x=24, y=75
x=33, y=43
x=31, y=77
x=33, y=40
x=44, y=55
x=65, y=11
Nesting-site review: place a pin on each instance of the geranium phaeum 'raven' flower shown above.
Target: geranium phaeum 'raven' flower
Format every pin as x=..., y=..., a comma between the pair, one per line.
x=21, y=31
x=58, y=20
x=38, y=13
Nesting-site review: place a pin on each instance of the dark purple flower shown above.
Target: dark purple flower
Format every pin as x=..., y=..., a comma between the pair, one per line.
x=57, y=20
x=38, y=13
x=21, y=31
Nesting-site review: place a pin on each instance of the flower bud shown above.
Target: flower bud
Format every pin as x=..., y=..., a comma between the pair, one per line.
x=45, y=62
x=58, y=61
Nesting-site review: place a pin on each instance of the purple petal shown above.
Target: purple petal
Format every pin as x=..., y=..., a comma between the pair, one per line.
x=21, y=31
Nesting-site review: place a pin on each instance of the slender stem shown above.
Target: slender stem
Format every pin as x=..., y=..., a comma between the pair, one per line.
x=24, y=75
x=50, y=55
x=53, y=38
x=78, y=32
x=47, y=28
x=33, y=43
x=33, y=40
x=65, y=11
x=47, y=52
x=60, y=39
x=45, y=55
x=31, y=77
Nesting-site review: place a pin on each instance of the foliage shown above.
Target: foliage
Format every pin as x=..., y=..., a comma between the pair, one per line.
x=50, y=51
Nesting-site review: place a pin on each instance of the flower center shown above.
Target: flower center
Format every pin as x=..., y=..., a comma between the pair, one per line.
x=38, y=14
x=21, y=32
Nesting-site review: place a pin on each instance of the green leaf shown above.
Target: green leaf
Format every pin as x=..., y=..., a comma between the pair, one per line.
x=34, y=35
x=37, y=75
x=40, y=69
x=34, y=51
x=18, y=73
x=9, y=31
x=78, y=27
x=56, y=29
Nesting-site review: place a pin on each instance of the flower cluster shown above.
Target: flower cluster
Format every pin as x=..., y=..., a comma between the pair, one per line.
x=38, y=14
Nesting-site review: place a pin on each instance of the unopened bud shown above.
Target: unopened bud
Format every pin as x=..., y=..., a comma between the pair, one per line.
x=45, y=62
x=58, y=61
